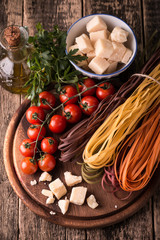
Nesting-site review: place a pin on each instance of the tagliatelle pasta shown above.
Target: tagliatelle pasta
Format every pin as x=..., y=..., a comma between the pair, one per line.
x=139, y=156
x=102, y=148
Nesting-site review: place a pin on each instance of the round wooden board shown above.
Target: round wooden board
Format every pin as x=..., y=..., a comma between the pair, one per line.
x=110, y=210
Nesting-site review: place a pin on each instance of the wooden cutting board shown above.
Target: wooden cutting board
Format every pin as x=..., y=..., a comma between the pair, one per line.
x=110, y=210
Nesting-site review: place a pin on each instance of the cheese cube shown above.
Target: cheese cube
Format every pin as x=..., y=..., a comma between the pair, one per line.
x=47, y=193
x=112, y=67
x=98, y=65
x=119, y=35
x=78, y=195
x=90, y=56
x=126, y=56
x=34, y=182
x=72, y=180
x=63, y=205
x=91, y=201
x=118, y=53
x=58, y=188
x=50, y=200
x=94, y=36
x=84, y=43
x=96, y=24
x=103, y=48
x=45, y=176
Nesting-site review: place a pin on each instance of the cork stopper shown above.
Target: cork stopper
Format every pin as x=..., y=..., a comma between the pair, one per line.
x=12, y=35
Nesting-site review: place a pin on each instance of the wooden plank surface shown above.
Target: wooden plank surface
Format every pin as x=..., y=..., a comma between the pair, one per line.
x=156, y=214
x=151, y=19
x=50, y=13
x=136, y=227
x=9, y=216
x=17, y=221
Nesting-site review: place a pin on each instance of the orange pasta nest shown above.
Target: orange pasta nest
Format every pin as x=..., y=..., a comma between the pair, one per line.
x=139, y=156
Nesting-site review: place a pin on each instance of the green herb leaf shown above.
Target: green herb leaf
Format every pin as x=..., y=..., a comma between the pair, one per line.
x=49, y=63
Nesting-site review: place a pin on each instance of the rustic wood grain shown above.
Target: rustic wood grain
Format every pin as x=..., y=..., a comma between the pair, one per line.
x=156, y=211
x=65, y=13
x=151, y=21
x=8, y=105
x=129, y=229
x=50, y=13
x=75, y=234
x=33, y=227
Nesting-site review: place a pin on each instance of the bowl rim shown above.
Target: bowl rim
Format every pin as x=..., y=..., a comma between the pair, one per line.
x=110, y=74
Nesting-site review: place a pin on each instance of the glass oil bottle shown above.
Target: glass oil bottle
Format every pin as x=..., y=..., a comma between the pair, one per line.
x=14, y=51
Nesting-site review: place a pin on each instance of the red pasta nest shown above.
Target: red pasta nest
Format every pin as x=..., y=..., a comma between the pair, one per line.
x=139, y=156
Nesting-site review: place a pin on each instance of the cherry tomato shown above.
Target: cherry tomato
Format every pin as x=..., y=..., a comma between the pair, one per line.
x=29, y=165
x=57, y=124
x=49, y=145
x=34, y=130
x=72, y=113
x=35, y=114
x=27, y=147
x=47, y=100
x=86, y=83
x=104, y=90
x=47, y=162
x=89, y=104
x=67, y=92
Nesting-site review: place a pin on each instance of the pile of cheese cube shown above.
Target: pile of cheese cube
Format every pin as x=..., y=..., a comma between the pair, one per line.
x=103, y=49
x=58, y=190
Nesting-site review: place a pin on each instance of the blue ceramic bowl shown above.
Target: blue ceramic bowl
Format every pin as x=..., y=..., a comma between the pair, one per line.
x=79, y=27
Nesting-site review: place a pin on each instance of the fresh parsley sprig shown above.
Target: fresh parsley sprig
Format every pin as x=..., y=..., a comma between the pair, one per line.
x=49, y=63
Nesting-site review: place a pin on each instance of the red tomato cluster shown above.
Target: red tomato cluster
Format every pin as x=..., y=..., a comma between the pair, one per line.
x=88, y=104
x=71, y=113
x=36, y=132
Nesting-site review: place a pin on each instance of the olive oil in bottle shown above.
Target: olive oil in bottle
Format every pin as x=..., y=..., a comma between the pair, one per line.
x=14, y=71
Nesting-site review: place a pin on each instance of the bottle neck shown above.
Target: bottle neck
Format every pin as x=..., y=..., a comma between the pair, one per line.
x=18, y=55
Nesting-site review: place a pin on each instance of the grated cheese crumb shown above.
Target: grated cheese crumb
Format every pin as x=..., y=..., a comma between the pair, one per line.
x=52, y=213
x=34, y=182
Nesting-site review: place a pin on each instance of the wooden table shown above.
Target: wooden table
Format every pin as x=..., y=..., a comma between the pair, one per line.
x=17, y=221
